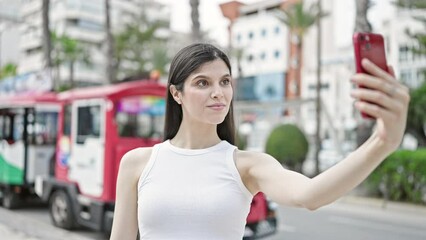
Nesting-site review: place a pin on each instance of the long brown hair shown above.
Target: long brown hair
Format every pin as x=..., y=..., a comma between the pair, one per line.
x=186, y=61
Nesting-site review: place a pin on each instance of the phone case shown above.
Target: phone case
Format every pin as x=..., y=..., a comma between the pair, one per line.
x=372, y=47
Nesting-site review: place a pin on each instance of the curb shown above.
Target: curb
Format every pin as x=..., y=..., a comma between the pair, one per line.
x=383, y=204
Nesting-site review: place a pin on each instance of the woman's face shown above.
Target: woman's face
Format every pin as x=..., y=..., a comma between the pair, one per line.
x=207, y=94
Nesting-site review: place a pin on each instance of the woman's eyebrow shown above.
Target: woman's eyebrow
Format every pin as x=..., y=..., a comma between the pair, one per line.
x=205, y=76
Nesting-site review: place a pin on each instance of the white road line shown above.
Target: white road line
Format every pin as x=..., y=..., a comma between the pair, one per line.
x=377, y=226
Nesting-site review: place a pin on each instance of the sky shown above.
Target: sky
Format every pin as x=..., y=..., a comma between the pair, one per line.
x=213, y=22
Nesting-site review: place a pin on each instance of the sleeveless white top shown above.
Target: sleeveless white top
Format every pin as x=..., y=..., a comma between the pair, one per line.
x=192, y=194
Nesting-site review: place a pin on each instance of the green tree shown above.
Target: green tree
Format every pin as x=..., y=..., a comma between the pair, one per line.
x=416, y=122
x=69, y=51
x=288, y=144
x=8, y=70
x=298, y=19
x=138, y=49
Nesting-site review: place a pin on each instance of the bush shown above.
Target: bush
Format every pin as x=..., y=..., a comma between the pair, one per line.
x=401, y=177
x=288, y=145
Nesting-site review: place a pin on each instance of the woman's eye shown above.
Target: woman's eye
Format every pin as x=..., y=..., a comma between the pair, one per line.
x=202, y=83
x=226, y=82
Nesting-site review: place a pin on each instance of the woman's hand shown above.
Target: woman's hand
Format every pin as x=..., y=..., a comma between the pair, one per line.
x=385, y=99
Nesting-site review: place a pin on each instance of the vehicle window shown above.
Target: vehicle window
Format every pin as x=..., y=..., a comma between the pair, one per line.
x=7, y=127
x=44, y=128
x=140, y=116
x=88, y=123
x=18, y=127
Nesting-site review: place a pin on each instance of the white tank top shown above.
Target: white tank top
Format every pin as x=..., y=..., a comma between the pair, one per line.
x=192, y=194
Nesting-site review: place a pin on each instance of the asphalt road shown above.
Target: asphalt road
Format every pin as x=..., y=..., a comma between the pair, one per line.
x=349, y=220
x=353, y=220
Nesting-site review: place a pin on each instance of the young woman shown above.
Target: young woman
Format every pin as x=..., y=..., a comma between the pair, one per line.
x=198, y=185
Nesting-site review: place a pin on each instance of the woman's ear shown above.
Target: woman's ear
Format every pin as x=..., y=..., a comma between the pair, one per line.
x=175, y=93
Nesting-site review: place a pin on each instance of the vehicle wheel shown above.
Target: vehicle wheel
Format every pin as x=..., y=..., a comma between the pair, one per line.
x=11, y=200
x=60, y=210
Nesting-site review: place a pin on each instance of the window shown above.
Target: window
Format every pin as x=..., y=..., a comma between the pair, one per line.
x=277, y=54
x=42, y=128
x=140, y=117
x=277, y=30
x=88, y=123
x=263, y=32
x=18, y=127
x=250, y=35
x=239, y=38
x=404, y=52
x=250, y=58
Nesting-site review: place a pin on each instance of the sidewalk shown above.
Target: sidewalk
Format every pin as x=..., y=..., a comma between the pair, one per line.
x=382, y=204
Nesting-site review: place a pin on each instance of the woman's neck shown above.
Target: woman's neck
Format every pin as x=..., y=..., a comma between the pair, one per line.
x=195, y=136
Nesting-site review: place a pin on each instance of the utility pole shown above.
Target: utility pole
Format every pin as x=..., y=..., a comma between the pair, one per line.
x=318, y=97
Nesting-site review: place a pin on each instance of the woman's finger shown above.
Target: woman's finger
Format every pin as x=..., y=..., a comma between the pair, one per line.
x=372, y=96
x=374, y=70
x=375, y=83
x=374, y=110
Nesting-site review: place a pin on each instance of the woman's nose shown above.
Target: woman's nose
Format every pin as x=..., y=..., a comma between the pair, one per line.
x=217, y=92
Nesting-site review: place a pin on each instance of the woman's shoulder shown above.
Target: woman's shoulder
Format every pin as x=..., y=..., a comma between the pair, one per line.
x=134, y=161
x=251, y=155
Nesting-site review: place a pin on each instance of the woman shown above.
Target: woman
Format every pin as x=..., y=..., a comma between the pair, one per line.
x=197, y=185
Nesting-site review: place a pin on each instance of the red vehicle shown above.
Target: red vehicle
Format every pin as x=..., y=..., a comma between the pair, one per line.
x=28, y=133
x=97, y=126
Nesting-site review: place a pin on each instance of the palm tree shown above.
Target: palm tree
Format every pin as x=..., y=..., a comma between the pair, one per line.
x=110, y=66
x=195, y=19
x=361, y=21
x=47, y=43
x=138, y=50
x=364, y=128
x=69, y=51
x=298, y=19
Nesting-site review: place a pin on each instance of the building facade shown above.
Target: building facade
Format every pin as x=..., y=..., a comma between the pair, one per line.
x=83, y=21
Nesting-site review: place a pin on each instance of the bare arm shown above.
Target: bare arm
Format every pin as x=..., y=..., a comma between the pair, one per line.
x=290, y=188
x=125, y=225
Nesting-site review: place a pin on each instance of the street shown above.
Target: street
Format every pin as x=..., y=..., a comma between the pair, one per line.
x=349, y=218
x=353, y=220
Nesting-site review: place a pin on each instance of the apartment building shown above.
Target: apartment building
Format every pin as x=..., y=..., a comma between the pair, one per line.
x=84, y=21
x=409, y=66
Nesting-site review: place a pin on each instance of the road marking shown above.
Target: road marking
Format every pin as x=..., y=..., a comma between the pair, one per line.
x=377, y=226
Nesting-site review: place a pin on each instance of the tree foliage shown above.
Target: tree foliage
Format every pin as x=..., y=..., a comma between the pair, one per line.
x=67, y=50
x=288, y=144
x=416, y=122
x=138, y=49
x=8, y=70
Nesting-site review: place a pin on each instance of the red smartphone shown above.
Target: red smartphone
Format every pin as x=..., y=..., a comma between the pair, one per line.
x=372, y=47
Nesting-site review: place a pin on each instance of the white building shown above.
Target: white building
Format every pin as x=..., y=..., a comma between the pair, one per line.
x=408, y=66
x=262, y=40
x=81, y=20
x=9, y=32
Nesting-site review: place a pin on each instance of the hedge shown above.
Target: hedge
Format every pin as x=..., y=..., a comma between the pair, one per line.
x=401, y=177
